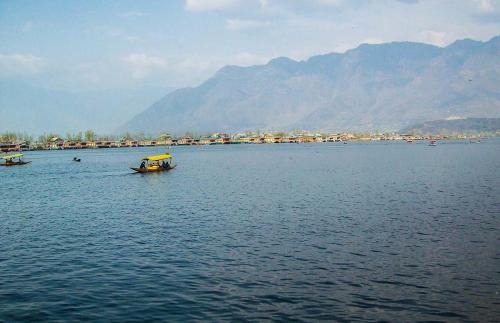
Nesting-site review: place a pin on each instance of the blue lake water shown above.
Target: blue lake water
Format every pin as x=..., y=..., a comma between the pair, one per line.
x=364, y=231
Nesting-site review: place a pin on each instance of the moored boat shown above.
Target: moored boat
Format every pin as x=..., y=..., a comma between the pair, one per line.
x=152, y=164
x=13, y=160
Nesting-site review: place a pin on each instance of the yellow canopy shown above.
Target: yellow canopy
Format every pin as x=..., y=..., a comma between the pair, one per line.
x=158, y=157
x=12, y=156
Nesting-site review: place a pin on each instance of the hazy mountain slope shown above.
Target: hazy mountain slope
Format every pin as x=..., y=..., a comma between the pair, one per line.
x=384, y=87
x=468, y=125
x=35, y=110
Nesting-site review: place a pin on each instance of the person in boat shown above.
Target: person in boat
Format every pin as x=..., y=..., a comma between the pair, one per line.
x=143, y=164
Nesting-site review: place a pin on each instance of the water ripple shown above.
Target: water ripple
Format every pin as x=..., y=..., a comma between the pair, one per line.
x=369, y=232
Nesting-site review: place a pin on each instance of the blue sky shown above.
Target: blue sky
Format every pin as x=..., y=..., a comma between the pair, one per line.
x=76, y=45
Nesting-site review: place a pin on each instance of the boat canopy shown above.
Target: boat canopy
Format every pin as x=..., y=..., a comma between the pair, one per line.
x=12, y=156
x=158, y=157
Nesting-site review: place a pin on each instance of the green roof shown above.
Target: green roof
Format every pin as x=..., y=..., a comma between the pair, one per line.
x=8, y=157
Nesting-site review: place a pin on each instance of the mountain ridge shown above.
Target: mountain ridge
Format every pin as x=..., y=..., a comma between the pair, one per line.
x=371, y=87
x=455, y=126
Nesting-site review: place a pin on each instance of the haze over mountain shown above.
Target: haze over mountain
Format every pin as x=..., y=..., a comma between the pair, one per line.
x=453, y=126
x=28, y=108
x=372, y=87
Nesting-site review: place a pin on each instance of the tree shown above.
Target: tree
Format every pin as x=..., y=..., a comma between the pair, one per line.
x=26, y=137
x=127, y=136
x=46, y=137
x=90, y=135
x=280, y=135
x=141, y=136
x=106, y=137
x=8, y=137
x=164, y=136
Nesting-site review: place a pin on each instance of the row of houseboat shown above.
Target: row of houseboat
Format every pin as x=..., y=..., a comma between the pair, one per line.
x=60, y=143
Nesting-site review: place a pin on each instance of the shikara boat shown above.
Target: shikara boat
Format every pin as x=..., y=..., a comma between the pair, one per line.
x=158, y=163
x=13, y=160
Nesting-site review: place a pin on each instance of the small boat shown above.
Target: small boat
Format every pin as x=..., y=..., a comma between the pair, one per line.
x=151, y=164
x=432, y=143
x=10, y=160
x=76, y=159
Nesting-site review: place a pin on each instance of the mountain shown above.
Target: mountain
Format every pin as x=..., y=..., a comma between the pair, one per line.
x=373, y=87
x=453, y=126
x=24, y=107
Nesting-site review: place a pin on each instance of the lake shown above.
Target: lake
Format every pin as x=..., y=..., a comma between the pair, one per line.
x=304, y=232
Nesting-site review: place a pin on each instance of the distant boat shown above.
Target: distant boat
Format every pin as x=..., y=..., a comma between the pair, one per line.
x=474, y=140
x=152, y=164
x=76, y=159
x=10, y=160
x=433, y=143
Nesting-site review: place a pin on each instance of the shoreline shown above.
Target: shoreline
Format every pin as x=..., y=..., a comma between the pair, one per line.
x=10, y=147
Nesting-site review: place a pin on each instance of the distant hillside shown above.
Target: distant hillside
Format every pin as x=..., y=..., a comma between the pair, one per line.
x=469, y=125
x=373, y=87
x=24, y=107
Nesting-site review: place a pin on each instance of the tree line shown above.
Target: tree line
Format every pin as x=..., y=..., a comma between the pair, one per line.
x=80, y=136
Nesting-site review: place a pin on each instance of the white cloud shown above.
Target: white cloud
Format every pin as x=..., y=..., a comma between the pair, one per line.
x=247, y=59
x=372, y=41
x=207, y=5
x=210, y=65
x=20, y=64
x=334, y=3
x=196, y=69
x=142, y=65
x=485, y=6
x=245, y=24
x=435, y=38
x=254, y=8
x=343, y=47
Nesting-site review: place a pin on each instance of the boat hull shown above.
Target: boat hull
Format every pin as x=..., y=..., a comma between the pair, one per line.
x=152, y=170
x=15, y=163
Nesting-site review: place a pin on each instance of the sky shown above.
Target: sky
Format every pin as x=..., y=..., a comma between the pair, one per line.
x=89, y=45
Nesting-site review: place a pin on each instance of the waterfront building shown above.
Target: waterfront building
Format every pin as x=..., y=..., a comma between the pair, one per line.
x=207, y=141
x=185, y=141
x=56, y=143
x=8, y=147
x=223, y=140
